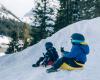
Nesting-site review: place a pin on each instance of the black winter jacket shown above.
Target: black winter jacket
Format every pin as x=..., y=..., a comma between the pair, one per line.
x=52, y=54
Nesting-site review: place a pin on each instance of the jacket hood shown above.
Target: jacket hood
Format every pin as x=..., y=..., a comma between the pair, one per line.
x=85, y=48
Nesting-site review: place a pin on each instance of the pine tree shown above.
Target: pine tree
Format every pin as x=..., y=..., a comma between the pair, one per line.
x=64, y=14
x=89, y=9
x=13, y=46
x=43, y=22
x=75, y=10
x=7, y=26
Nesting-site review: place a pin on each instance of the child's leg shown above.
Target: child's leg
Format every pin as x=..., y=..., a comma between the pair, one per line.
x=56, y=65
x=40, y=60
x=69, y=61
x=59, y=62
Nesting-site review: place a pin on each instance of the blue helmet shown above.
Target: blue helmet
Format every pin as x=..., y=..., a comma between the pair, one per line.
x=77, y=38
x=48, y=45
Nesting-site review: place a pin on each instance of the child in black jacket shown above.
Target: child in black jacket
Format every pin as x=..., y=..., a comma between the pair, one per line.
x=50, y=56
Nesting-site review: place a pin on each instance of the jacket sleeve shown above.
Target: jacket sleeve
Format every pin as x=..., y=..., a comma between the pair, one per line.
x=49, y=52
x=74, y=52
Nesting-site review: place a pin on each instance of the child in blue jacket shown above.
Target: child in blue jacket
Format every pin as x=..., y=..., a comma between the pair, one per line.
x=77, y=54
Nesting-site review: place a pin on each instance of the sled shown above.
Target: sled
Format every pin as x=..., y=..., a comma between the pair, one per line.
x=65, y=66
x=50, y=63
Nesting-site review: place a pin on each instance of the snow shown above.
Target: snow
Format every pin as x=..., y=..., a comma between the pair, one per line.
x=2, y=54
x=17, y=66
x=4, y=39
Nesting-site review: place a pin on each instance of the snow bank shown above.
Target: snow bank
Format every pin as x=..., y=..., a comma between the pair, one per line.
x=2, y=54
x=18, y=66
x=4, y=39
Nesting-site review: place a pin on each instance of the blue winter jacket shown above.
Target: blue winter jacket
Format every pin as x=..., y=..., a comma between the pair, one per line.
x=78, y=53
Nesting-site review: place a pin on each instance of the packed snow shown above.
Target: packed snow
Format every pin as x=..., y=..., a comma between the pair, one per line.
x=2, y=53
x=4, y=41
x=18, y=66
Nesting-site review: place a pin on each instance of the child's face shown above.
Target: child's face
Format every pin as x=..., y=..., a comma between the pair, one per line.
x=48, y=48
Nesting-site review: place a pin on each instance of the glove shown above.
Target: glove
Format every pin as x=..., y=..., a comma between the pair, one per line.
x=45, y=62
x=62, y=49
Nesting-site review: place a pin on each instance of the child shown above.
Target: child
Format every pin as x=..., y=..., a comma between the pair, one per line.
x=77, y=55
x=49, y=57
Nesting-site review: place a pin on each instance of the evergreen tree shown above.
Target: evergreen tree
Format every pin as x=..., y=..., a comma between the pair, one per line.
x=13, y=46
x=10, y=27
x=75, y=10
x=7, y=26
x=63, y=16
x=43, y=21
x=89, y=9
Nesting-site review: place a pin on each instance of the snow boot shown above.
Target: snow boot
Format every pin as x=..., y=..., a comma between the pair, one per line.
x=35, y=65
x=51, y=70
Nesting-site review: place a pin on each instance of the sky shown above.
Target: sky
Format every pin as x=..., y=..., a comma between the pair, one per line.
x=18, y=7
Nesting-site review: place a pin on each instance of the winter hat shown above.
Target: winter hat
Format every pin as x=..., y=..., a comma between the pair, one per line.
x=77, y=37
x=48, y=45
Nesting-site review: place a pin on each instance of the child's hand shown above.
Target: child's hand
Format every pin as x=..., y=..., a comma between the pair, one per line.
x=62, y=49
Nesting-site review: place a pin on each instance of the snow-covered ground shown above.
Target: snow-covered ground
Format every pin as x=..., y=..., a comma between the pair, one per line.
x=19, y=66
x=4, y=41
x=2, y=54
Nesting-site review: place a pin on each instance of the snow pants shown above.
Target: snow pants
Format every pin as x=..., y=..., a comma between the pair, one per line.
x=71, y=62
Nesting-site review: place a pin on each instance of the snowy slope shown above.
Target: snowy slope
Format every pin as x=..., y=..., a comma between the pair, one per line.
x=18, y=66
